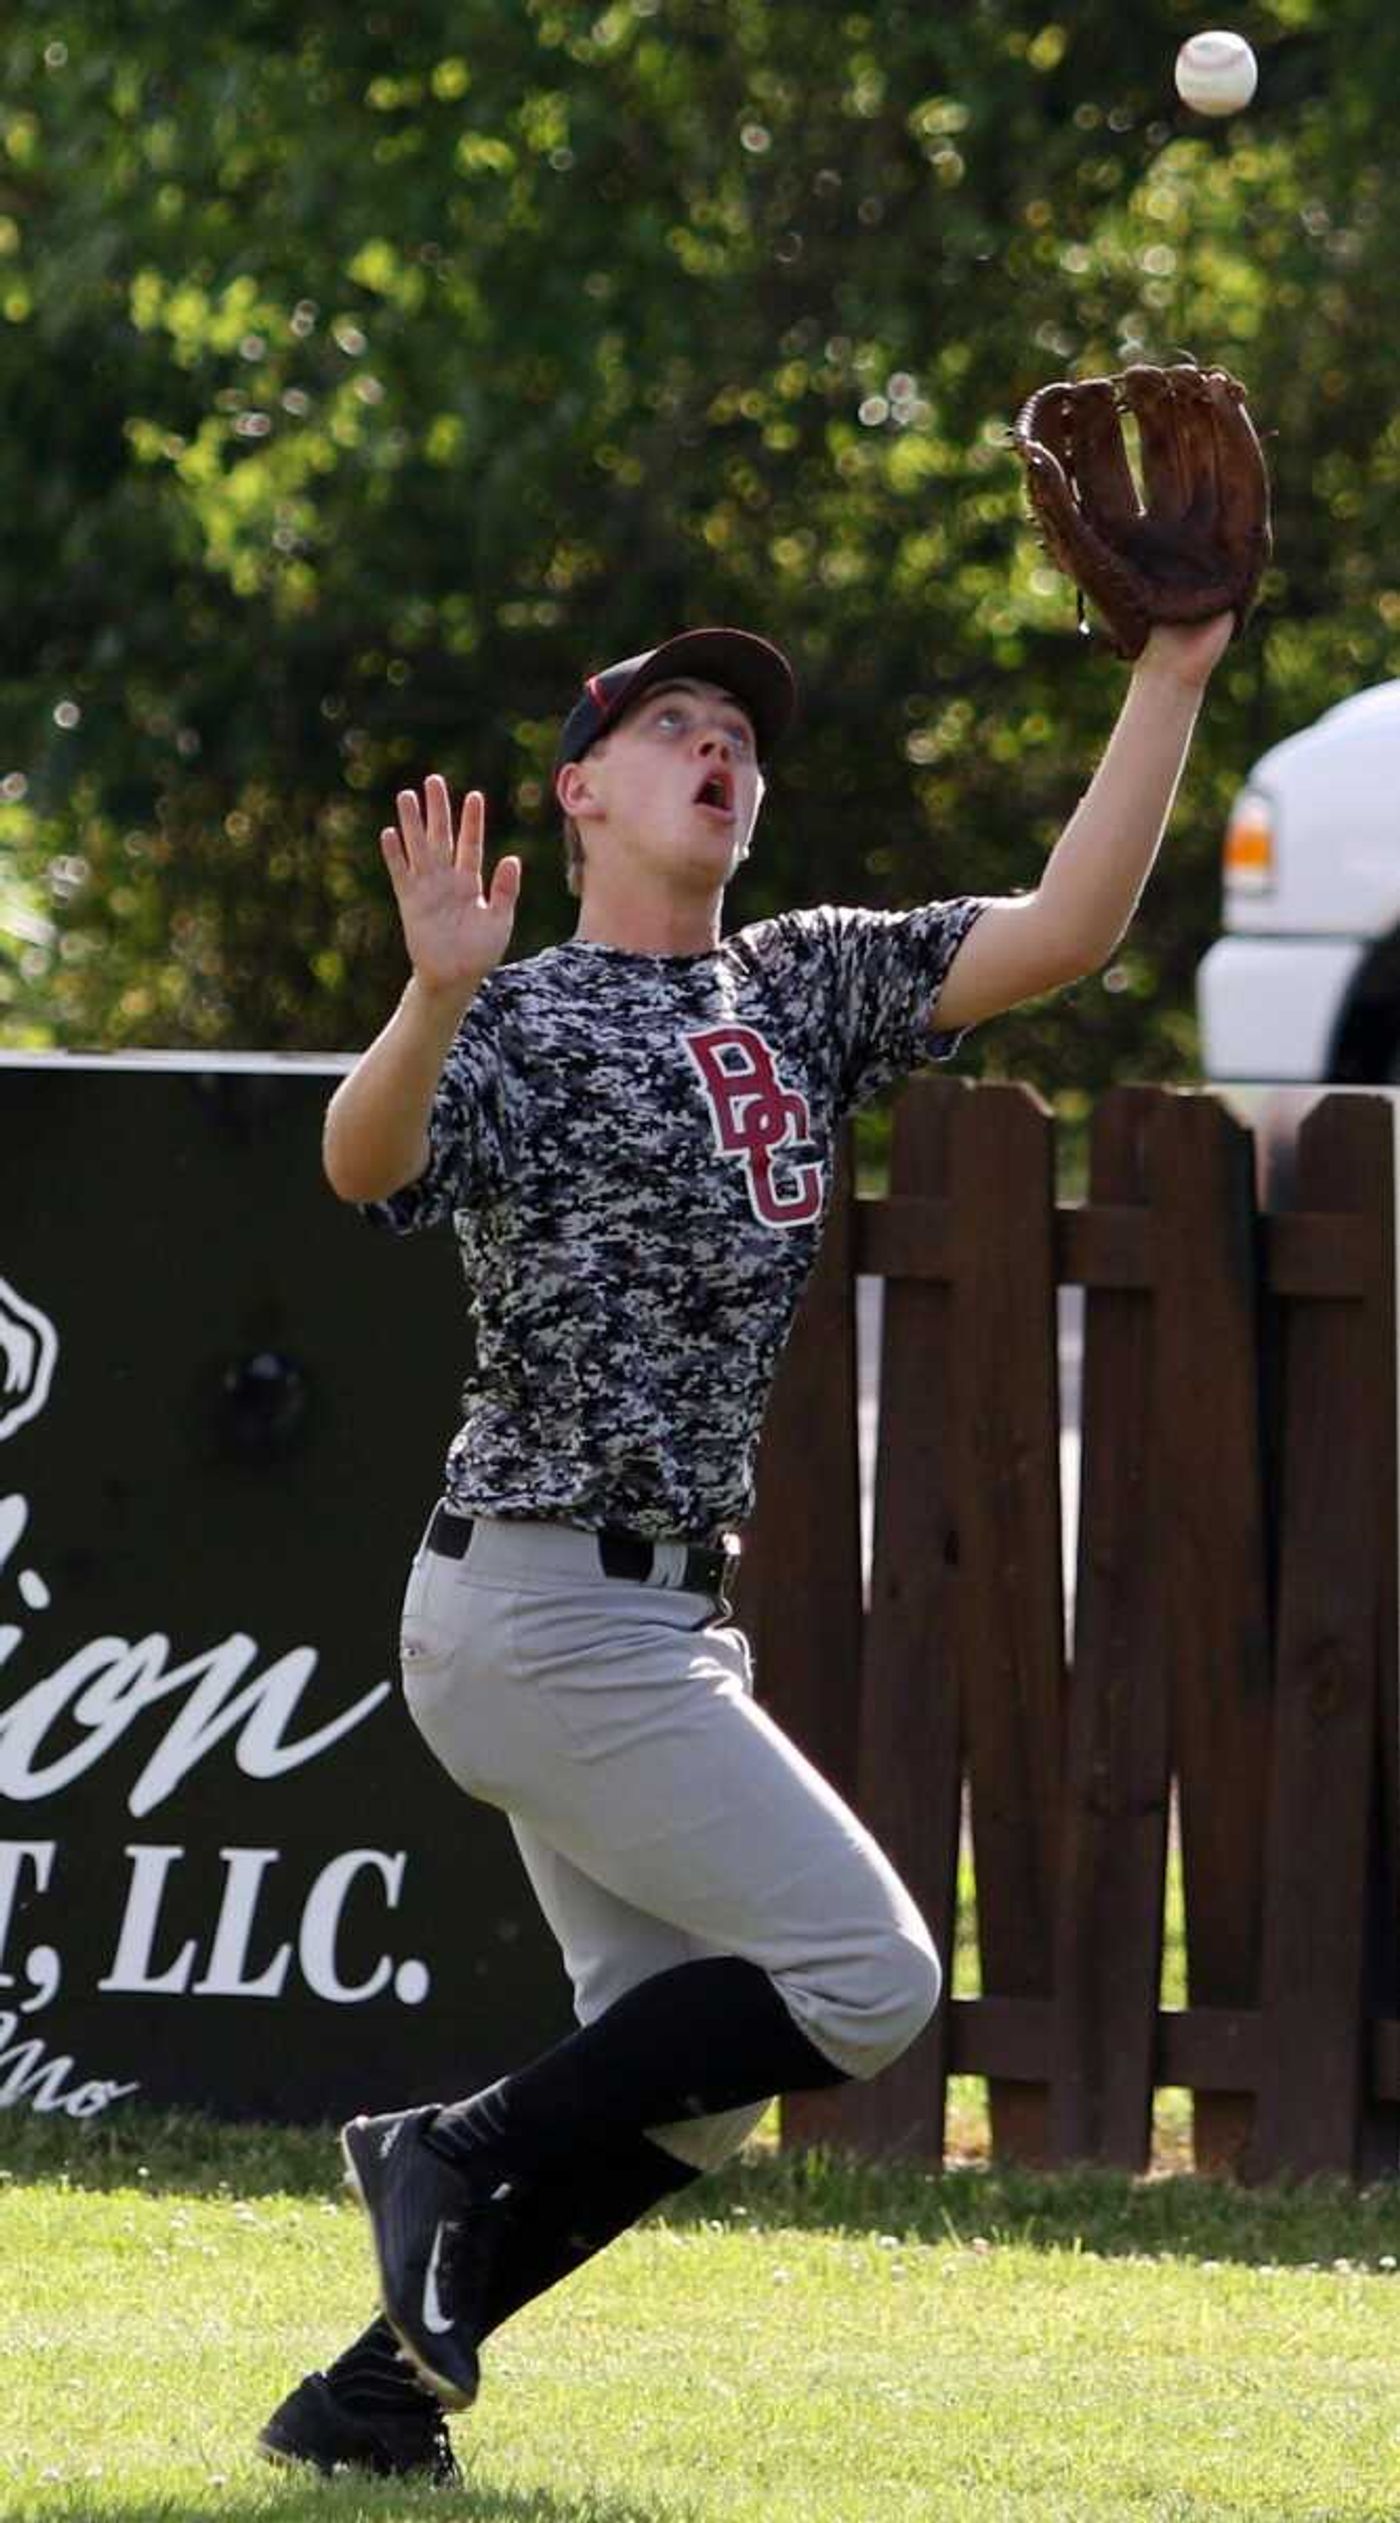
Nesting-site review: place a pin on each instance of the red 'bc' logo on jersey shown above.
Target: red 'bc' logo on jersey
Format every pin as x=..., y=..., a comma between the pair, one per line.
x=757, y=1119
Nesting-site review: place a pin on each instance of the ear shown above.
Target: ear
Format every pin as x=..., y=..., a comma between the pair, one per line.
x=573, y=787
x=747, y=843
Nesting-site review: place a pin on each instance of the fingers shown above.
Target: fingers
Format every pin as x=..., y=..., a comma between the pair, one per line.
x=505, y=885
x=422, y=839
x=472, y=829
x=1244, y=482
x=425, y=830
x=1103, y=475
x=1157, y=408
x=437, y=818
x=411, y=826
x=1199, y=436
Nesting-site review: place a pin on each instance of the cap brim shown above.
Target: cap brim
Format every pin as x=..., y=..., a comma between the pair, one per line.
x=752, y=669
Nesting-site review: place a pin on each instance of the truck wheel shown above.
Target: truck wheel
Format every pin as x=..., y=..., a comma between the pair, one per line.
x=1366, y=1046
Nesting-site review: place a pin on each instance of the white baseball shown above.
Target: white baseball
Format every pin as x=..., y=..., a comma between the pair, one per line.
x=1216, y=73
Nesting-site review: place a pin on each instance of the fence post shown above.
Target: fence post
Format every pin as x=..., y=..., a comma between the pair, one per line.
x=1379, y=2148
x=1209, y=1541
x=909, y=1768
x=1005, y=1441
x=799, y=1591
x=1108, y=1946
x=1336, y=1551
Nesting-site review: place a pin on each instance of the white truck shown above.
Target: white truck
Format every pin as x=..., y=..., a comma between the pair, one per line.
x=1304, y=985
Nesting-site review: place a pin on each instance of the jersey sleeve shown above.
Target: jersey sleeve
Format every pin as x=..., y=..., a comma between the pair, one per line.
x=466, y=1132
x=887, y=968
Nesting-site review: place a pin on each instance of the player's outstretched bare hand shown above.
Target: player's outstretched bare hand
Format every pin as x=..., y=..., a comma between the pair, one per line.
x=455, y=930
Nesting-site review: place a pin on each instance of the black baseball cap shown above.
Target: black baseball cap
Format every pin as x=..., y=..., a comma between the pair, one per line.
x=756, y=673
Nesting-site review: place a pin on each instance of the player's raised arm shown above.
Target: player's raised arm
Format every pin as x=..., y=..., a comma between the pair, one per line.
x=1071, y=923
x=1172, y=566
x=456, y=931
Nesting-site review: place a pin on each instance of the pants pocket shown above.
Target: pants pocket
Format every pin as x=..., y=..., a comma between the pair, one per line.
x=427, y=1631
x=453, y=1648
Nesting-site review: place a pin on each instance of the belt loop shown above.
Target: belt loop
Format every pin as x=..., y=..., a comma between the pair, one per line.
x=625, y=1555
x=673, y=1565
x=448, y=1533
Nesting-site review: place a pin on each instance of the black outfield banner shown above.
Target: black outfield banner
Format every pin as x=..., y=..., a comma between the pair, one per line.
x=231, y=1876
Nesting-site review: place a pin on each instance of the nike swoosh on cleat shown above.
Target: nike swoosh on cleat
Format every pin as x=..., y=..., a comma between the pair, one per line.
x=434, y=2318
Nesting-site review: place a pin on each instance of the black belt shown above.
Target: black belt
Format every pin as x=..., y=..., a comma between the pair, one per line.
x=628, y=1555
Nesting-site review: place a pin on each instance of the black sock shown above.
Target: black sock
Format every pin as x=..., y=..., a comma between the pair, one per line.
x=373, y=2374
x=701, y=2038
x=558, y=2223
x=556, y=2226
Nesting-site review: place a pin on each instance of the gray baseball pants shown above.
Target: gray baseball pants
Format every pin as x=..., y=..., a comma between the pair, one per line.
x=661, y=1815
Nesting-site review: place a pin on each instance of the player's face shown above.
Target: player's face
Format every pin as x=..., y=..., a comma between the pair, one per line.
x=676, y=784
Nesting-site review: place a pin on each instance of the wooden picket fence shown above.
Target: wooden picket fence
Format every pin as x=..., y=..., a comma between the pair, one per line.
x=1234, y=1667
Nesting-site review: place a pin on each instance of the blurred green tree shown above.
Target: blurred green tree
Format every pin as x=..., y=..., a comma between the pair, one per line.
x=368, y=377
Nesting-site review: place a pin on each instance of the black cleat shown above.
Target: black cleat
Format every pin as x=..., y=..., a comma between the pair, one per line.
x=315, y=2426
x=436, y=2235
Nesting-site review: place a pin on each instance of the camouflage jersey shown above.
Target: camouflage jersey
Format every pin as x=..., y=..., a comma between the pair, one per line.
x=636, y=1153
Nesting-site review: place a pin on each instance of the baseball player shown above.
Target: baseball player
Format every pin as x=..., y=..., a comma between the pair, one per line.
x=632, y=1134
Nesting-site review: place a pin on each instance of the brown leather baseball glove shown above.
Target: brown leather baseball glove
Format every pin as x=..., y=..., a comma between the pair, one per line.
x=1195, y=541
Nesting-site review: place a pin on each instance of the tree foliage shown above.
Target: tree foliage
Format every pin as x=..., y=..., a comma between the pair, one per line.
x=369, y=376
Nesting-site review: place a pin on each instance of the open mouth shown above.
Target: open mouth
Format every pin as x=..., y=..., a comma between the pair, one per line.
x=716, y=791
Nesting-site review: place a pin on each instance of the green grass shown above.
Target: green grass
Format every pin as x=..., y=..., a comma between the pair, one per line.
x=797, y=2339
